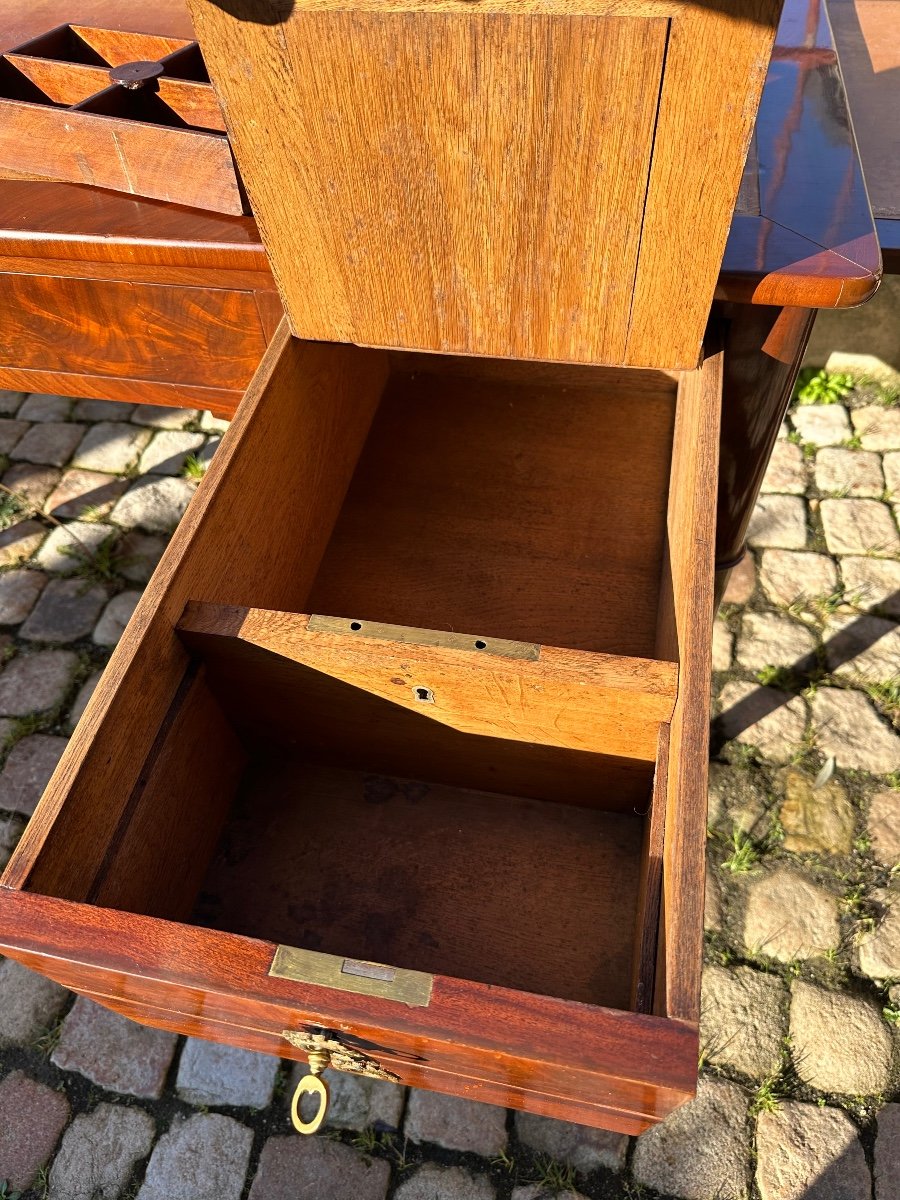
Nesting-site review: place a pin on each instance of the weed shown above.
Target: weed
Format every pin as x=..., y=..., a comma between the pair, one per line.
x=400, y=1158
x=7, y=1192
x=743, y=856
x=11, y=508
x=41, y=1185
x=193, y=468
x=368, y=1140
x=91, y=513
x=852, y=443
x=780, y=677
x=808, y=450
x=743, y=755
x=504, y=1162
x=822, y=387
x=891, y=1013
x=886, y=696
x=768, y=1095
x=853, y=899
x=98, y=565
x=554, y=1177
x=828, y=604
x=893, y=780
x=862, y=843
x=49, y=1039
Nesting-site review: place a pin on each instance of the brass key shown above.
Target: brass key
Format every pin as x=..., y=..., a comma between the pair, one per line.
x=325, y=1049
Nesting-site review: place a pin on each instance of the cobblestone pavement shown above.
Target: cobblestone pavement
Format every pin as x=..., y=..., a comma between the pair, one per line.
x=801, y=1003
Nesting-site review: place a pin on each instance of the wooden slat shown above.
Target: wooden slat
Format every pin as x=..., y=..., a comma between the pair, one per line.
x=686, y=615
x=593, y=702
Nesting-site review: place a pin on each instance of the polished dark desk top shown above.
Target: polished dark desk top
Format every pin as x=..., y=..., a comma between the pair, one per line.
x=802, y=235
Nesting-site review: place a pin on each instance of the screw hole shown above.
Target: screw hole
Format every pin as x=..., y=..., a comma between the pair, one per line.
x=425, y=694
x=480, y=645
x=355, y=625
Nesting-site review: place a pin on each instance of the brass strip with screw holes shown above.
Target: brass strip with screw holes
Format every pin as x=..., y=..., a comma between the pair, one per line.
x=409, y=634
x=352, y=975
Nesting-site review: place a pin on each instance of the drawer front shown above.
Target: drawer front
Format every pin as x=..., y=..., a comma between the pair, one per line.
x=224, y=708
x=147, y=333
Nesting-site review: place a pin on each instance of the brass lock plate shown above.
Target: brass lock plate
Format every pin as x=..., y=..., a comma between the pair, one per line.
x=412, y=988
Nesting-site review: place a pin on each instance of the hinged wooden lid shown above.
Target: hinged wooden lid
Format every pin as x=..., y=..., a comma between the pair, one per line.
x=536, y=179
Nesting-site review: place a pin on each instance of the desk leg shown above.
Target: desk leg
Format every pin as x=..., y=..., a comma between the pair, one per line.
x=764, y=347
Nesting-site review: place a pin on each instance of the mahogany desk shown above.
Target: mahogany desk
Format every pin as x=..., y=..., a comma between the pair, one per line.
x=116, y=297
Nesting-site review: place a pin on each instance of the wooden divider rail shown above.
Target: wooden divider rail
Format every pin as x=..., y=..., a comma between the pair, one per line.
x=406, y=742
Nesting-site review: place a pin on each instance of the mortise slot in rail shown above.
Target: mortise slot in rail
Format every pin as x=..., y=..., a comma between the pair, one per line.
x=572, y=699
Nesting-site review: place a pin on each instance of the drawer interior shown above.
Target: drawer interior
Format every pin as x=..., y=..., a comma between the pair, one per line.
x=402, y=685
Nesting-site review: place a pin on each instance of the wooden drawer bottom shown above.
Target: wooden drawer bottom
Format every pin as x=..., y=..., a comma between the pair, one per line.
x=458, y=820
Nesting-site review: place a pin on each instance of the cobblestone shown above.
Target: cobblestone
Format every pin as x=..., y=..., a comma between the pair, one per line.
x=114, y=1052
x=206, y=455
x=11, y=402
x=36, y=682
x=839, y=1042
x=841, y=472
x=111, y=447
x=116, y=616
x=320, y=1167
x=45, y=408
x=18, y=592
x=861, y=647
x=821, y=424
x=743, y=1020
x=202, y=1158
x=10, y=831
x=84, y=694
x=166, y=453
x=741, y=581
x=356, y=1102
x=887, y=1154
x=20, y=541
x=154, y=504
x=32, y=1116
x=432, y=1182
x=786, y=471
x=32, y=482
x=771, y=640
x=455, y=1123
x=788, y=917
x=101, y=410
x=722, y=646
x=11, y=432
x=99, y=1153
x=213, y=1074
x=139, y=554
x=877, y=427
x=891, y=465
x=27, y=772
x=874, y=583
x=712, y=903
x=778, y=521
x=579, y=1146
x=51, y=443
x=772, y=720
x=848, y=727
x=211, y=424
x=29, y=1004
x=81, y=491
x=66, y=611
x=879, y=949
x=69, y=547
x=815, y=820
x=789, y=576
x=737, y=799
x=884, y=827
x=810, y=1153
x=702, y=1149
x=163, y=417
x=859, y=527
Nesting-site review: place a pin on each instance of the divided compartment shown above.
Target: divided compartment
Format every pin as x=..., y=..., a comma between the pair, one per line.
x=463, y=766
x=64, y=119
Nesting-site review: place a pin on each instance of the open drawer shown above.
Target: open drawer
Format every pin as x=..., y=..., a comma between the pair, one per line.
x=406, y=741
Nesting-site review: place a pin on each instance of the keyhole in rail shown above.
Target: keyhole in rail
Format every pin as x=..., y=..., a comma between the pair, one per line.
x=480, y=645
x=424, y=694
x=355, y=625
